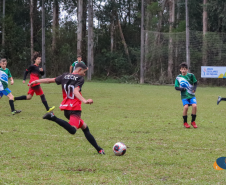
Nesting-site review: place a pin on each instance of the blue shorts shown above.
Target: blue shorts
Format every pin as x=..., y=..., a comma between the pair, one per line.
x=5, y=92
x=189, y=102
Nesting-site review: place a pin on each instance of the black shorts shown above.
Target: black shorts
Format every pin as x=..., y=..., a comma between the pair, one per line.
x=68, y=113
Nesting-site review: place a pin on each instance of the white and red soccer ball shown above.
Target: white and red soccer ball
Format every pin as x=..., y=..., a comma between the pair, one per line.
x=119, y=148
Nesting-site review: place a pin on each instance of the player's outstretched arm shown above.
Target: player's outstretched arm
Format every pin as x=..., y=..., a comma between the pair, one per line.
x=70, y=69
x=45, y=80
x=80, y=97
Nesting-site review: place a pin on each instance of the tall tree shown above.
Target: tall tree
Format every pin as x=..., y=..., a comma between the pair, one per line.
x=43, y=38
x=90, y=40
x=112, y=23
x=32, y=32
x=3, y=24
x=112, y=35
x=123, y=40
x=55, y=25
x=79, y=30
x=205, y=22
x=142, y=44
x=84, y=29
x=148, y=18
x=171, y=23
x=187, y=35
x=160, y=14
x=158, y=37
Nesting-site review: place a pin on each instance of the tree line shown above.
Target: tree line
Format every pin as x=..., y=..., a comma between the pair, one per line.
x=107, y=33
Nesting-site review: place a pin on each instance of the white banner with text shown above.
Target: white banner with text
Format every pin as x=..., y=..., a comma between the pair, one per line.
x=213, y=72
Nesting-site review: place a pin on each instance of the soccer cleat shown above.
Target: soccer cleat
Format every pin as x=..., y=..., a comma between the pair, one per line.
x=186, y=125
x=194, y=124
x=219, y=99
x=51, y=109
x=101, y=151
x=49, y=116
x=16, y=112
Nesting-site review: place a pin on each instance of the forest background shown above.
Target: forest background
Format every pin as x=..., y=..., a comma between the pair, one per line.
x=111, y=47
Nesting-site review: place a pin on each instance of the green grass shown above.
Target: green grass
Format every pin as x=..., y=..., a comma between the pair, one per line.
x=148, y=119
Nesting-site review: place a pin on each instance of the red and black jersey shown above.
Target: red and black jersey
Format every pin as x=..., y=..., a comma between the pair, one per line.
x=69, y=82
x=34, y=71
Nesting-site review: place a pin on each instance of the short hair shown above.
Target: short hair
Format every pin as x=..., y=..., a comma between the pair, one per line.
x=3, y=60
x=36, y=55
x=83, y=66
x=183, y=65
x=79, y=56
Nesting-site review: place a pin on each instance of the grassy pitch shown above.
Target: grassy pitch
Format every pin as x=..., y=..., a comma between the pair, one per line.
x=148, y=119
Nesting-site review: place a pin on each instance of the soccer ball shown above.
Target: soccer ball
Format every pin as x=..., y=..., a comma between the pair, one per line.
x=119, y=148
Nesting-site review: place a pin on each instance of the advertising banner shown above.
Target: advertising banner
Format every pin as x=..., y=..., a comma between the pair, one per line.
x=213, y=72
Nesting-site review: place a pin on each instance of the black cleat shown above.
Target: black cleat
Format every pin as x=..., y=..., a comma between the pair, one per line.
x=49, y=116
x=101, y=152
x=219, y=100
x=16, y=112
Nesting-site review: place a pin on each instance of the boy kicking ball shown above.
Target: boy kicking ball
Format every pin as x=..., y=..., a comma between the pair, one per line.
x=187, y=84
x=4, y=90
x=71, y=84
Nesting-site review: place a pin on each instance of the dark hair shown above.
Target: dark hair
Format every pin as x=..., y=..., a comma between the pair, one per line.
x=36, y=55
x=83, y=66
x=3, y=60
x=79, y=56
x=183, y=65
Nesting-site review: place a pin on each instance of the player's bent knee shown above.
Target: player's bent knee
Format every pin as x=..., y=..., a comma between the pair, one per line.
x=86, y=130
x=72, y=130
x=194, y=105
x=29, y=97
x=10, y=96
x=84, y=126
x=186, y=107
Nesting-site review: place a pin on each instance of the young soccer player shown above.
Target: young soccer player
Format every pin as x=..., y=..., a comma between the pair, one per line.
x=79, y=59
x=4, y=90
x=34, y=71
x=71, y=104
x=187, y=84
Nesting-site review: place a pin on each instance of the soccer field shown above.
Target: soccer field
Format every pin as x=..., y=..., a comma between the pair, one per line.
x=148, y=119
